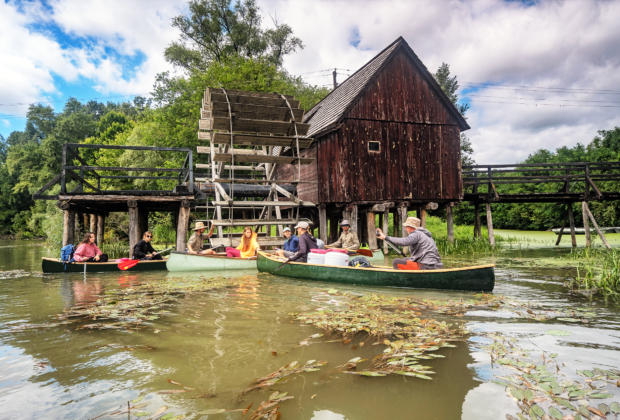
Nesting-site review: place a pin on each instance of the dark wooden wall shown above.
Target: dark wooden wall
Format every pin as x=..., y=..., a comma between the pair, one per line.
x=307, y=192
x=419, y=140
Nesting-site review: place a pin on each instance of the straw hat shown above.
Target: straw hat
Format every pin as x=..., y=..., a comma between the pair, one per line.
x=199, y=225
x=413, y=222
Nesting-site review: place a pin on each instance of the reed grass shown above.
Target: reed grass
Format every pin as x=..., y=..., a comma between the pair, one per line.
x=598, y=268
x=115, y=250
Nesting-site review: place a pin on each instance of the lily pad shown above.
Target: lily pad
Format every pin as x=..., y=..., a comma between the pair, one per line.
x=557, y=332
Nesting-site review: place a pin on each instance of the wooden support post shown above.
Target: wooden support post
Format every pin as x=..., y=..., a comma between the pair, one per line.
x=93, y=224
x=402, y=210
x=571, y=221
x=586, y=225
x=182, y=226
x=477, y=227
x=598, y=230
x=353, y=220
x=323, y=223
x=490, y=225
x=134, y=225
x=143, y=222
x=362, y=228
x=371, y=226
x=396, y=223
x=80, y=226
x=422, y=218
x=100, y=229
x=450, y=223
x=386, y=228
x=561, y=230
x=333, y=229
x=68, y=233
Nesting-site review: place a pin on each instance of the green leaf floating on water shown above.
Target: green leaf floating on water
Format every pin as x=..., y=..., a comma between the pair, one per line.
x=167, y=416
x=603, y=408
x=584, y=410
x=600, y=395
x=554, y=412
x=553, y=355
x=557, y=332
x=332, y=291
x=529, y=394
x=517, y=393
x=138, y=399
x=566, y=403
x=615, y=408
x=143, y=414
x=569, y=319
x=538, y=410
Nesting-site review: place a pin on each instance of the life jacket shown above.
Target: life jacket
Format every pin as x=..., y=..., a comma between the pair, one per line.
x=66, y=254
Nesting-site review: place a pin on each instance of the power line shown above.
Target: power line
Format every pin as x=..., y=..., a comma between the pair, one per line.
x=538, y=99
x=560, y=105
x=543, y=89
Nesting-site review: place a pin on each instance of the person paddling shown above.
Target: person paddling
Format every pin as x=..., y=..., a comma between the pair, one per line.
x=348, y=239
x=422, y=248
x=87, y=251
x=143, y=250
x=196, y=241
x=306, y=243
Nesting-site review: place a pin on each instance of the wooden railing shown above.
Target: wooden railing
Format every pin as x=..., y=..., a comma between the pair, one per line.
x=69, y=171
x=577, y=177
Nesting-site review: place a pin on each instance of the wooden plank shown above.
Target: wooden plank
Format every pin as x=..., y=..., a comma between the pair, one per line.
x=586, y=225
x=81, y=180
x=259, y=140
x=353, y=220
x=114, y=147
x=124, y=198
x=263, y=203
x=100, y=229
x=598, y=230
x=46, y=186
x=386, y=228
x=256, y=222
x=234, y=168
x=255, y=112
x=93, y=224
x=68, y=233
x=490, y=225
x=571, y=221
x=450, y=223
x=205, y=124
x=242, y=158
x=207, y=150
x=323, y=223
x=245, y=98
x=134, y=228
x=232, y=92
x=477, y=228
x=371, y=227
x=257, y=126
x=557, y=242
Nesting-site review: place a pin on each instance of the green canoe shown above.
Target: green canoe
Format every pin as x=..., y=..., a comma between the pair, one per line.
x=478, y=279
x=179, y=261
x=54, y=265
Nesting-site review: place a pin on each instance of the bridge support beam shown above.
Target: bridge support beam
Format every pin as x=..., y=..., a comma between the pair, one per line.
x=490, y=225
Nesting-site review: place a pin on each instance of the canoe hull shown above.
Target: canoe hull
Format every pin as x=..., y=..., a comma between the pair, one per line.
x=52, y=265
x=478, y=279
x=185, y=262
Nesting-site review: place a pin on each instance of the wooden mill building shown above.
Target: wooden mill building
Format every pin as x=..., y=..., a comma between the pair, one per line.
x=386, y=140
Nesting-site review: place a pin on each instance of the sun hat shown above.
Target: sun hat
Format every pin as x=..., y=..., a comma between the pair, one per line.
x=303, y=225
x=286, y=229
x=413, y=222
x=199, y=225
x=345, y=222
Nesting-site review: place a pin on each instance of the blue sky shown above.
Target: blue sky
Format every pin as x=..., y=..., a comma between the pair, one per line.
x=569, y=51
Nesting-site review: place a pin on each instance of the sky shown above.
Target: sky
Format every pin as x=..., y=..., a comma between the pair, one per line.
x=537, y=74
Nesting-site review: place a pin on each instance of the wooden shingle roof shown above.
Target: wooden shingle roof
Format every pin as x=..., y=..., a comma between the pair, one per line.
x=328, y=113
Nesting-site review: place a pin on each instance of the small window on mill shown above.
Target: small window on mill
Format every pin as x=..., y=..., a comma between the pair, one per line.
x=374, y=146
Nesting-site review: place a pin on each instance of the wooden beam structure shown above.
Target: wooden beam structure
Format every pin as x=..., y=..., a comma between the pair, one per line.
x=490, y=224
x=68, y=233
x=450, y=224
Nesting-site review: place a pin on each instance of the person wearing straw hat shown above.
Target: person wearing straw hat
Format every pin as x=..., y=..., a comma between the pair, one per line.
x=422, y=248
x=348, y=239
x=196, y=241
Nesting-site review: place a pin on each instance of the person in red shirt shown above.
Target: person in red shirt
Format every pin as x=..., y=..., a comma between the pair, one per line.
x=87, y=251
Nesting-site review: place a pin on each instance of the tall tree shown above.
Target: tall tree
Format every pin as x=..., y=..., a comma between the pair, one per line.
x=214, y=30
x=450, y=86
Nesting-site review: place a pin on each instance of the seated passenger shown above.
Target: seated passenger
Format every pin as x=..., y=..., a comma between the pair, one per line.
x=248, y=246
x=196, y=241
x=422, y=248
x=306, y=243
x=348, y=239
x=290, y=246
x=143, y=250
x=87, y=251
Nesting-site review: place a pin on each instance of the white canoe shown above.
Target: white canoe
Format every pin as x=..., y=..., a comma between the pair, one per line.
x=179, y=261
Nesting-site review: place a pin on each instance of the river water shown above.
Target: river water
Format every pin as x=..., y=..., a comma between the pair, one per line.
x=219, y=342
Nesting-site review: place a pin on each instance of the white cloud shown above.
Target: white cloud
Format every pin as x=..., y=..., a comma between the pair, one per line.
x=573, y=44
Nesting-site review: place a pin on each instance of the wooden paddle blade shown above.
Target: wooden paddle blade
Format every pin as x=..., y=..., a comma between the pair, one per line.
x=365, y=252
x=126, y=265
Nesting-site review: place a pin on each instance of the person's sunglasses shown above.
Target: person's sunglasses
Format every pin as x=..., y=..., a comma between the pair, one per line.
x=345, y=225
x=148, y=236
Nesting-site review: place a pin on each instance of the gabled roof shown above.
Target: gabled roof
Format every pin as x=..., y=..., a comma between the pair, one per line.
x=331, y=110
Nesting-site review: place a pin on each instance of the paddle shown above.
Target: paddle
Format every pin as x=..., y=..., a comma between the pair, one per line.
x=126, y=265
x=392, y=246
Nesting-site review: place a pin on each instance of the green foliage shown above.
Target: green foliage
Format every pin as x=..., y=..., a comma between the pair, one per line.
x=216, y=30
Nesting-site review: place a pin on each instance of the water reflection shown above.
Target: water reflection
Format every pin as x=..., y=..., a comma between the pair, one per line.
x=218, y=342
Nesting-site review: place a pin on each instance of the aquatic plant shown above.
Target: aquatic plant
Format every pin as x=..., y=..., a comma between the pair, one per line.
x=543, y=391
x=115, y=250
x=598, y=269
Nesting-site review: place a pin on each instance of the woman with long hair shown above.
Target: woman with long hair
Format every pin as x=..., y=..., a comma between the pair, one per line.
x=248, y=246
x=87, y=251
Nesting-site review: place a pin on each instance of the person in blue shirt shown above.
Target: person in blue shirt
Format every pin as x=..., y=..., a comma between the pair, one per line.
x=291, y=245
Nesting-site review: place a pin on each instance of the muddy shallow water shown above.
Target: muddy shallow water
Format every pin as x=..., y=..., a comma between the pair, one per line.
x=218, y=342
